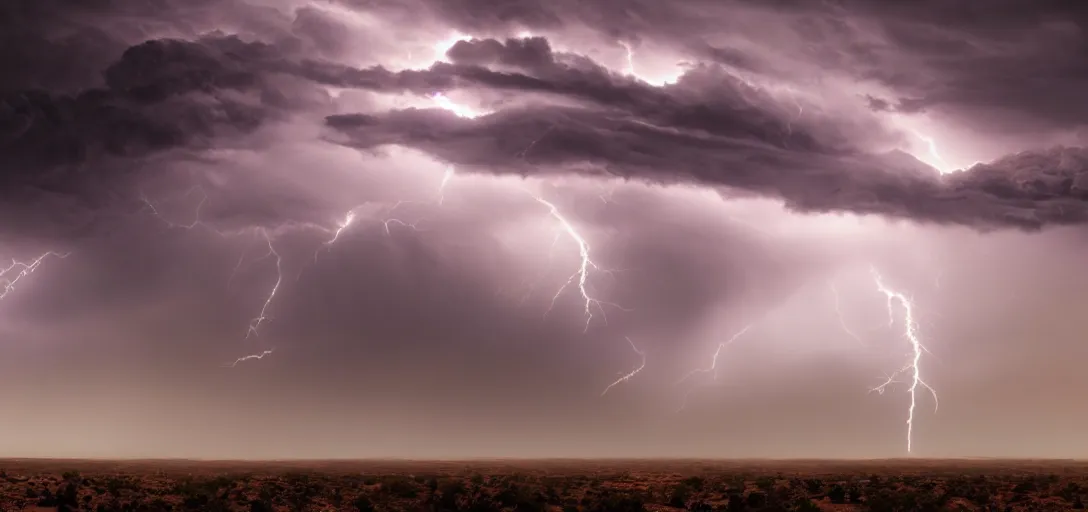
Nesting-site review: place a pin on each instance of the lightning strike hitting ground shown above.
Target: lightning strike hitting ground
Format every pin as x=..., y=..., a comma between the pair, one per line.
x=912, y=335
x=585, y=266
x=12, y=274
x=632, y=373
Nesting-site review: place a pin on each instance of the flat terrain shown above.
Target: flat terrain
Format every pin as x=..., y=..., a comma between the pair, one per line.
x=543, y=485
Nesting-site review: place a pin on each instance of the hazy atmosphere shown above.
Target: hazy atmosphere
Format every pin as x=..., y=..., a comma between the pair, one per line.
x=543, y=228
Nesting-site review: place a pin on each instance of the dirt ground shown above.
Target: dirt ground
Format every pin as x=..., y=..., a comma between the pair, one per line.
x=544, y=485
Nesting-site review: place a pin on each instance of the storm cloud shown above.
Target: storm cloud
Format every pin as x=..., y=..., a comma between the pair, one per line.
x=455, y=213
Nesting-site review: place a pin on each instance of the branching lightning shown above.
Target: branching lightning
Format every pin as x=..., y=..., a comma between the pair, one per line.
x=713, y=367
x=12, y=274
x=262, y=317
x=913, y=365
x=632, y=373
x=586, y=265
x=268, y=235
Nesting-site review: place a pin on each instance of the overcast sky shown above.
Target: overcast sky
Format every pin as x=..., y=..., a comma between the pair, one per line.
x=451, y=228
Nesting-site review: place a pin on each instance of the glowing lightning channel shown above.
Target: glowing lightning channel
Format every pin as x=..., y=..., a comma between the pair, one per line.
x=262, y=317
x=944, y=167
x=912, y=335
x=626, y=377
x=446, y=177
x=630, y=70
x=349, y=219
x=444, y=102
x=712, y=369
x=251, y=357
x=585, y=266
x=20, y=269
x=254, y=327
x=335, y=232
x=838, y=313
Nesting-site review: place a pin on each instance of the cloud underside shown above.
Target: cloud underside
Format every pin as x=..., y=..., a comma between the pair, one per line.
x=553, y=112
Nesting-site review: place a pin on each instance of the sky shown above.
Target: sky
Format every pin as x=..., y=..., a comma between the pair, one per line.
x=472, y=228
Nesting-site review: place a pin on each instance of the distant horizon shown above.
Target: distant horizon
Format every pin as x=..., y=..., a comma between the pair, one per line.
x=551, y=459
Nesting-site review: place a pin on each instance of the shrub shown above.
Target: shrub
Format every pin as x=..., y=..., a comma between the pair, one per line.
x=837, y=494
x=679, y=496
x=362, y=504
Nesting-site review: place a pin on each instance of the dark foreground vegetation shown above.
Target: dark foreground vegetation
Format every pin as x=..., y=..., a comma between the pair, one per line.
x=590, y=486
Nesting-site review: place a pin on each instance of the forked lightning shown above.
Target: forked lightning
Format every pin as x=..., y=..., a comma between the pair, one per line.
x=586, y=265
x=910, y=331
x=17, y=270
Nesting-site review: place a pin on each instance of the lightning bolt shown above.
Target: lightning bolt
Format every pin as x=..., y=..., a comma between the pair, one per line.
x=838, y=312
x=910, y=331
x=586, y=265
x=251, y=357
x=714, y=359
x=800, y=111
x=713, y=367
x=629, y=69
x=446, y=177
x=459, y=110
x=626, y=377
x=269, y=236
x=12, y=274
x=931, y=145
x=262, y=317
x=349, y=219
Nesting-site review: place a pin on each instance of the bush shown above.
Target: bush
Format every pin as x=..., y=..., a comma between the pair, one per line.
x=694, y=482
x=401, y=488
x=680, y=496
x=260, y=506
x=806, y=505
x=362, y=504
x=616, y=502
x=757, y=499
x=837, y=494
x=737, y=503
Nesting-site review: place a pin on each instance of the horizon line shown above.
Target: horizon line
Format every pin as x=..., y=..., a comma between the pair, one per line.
x=551, y=459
